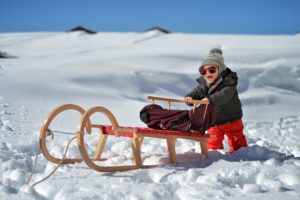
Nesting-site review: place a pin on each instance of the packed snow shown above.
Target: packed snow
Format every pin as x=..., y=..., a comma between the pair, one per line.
x=118, y=71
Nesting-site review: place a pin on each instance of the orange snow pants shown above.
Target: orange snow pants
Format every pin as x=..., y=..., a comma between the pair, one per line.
x=234, y=133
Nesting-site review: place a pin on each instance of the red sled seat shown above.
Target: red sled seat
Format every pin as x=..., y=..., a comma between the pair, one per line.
x=128, y=132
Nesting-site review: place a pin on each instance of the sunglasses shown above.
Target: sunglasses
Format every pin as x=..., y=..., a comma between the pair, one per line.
x=211, y=69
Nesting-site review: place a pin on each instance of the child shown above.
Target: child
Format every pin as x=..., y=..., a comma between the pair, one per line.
x=217, y=85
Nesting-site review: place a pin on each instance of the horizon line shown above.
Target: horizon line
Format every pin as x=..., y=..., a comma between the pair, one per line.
x=183, y=32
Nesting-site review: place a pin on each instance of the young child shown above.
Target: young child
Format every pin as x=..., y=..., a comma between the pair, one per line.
x=217, y=85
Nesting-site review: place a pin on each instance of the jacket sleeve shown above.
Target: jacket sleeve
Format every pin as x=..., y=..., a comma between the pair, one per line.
x=225, y=94
x=197, y=93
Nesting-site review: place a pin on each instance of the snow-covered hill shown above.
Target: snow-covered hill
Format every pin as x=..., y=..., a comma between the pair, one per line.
x=118, y=70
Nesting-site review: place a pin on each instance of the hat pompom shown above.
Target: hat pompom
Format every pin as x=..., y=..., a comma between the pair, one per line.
x=216, y=50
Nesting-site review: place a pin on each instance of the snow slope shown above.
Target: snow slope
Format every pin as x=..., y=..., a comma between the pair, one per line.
x=118, y=70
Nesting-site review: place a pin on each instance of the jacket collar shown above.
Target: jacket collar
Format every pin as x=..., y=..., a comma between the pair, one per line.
x=218, y=81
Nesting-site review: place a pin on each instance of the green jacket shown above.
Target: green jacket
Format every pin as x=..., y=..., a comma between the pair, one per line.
x=224, y=97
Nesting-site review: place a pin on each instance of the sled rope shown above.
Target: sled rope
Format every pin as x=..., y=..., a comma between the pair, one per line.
x=58, y=165
x=33, y=167
x=50, y=132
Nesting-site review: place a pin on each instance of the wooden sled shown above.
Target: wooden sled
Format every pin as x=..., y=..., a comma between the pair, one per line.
x=136, y=134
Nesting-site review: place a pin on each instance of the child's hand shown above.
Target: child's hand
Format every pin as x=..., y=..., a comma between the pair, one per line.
x=188, y=99
x=205, y=100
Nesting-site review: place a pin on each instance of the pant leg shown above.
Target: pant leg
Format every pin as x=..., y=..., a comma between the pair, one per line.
x=217, y=142
x=235, y=135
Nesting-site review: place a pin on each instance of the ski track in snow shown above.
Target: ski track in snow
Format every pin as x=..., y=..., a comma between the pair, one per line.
x=268, y=169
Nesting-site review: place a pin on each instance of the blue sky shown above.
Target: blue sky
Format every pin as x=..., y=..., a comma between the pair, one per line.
x=189, y=16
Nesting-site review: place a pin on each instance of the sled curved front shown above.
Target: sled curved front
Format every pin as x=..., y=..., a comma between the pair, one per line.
x=115, y=127
x=45, y=132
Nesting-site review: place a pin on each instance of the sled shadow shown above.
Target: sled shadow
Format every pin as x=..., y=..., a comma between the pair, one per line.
x=253, y=153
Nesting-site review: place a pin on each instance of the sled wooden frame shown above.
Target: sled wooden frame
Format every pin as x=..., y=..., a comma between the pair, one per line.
x=136, y=134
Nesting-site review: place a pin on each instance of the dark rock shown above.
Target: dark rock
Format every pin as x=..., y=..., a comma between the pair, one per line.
x=80, y=28
x=158, y=29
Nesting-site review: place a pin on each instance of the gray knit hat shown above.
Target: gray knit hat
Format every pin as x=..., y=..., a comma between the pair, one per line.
x=215, y=58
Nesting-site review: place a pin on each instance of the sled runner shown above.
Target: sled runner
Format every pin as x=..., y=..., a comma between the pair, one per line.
x=92, y=157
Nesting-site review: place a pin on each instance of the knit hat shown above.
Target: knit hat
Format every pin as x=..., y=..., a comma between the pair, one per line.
x=215, y=58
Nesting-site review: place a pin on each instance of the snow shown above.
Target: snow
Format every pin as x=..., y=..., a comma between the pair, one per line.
x=117, y=71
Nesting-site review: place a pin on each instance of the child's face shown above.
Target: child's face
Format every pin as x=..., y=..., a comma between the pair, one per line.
x=210, y=73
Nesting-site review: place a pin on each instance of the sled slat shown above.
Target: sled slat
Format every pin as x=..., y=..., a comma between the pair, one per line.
x=148, y=132
x=174, y=100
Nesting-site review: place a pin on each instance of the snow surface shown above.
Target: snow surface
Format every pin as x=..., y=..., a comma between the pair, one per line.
x=117, y=71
